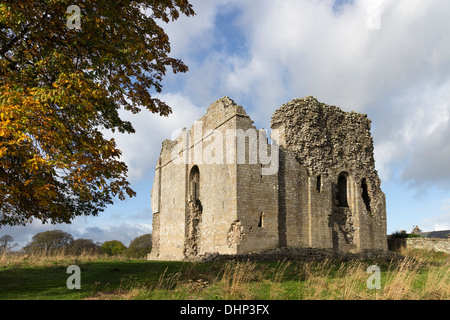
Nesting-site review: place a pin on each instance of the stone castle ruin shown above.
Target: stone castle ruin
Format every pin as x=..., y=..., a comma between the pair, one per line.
x=222, y=188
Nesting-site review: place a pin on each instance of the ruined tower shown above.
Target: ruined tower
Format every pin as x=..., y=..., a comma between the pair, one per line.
x=221, y=187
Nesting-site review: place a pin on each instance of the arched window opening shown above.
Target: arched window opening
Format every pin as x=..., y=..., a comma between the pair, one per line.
x=342, y=191
x=193, y=215
x=194, y=183
x=365, y=194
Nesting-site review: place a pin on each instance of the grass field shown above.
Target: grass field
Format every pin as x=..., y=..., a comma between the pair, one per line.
x=421, y=275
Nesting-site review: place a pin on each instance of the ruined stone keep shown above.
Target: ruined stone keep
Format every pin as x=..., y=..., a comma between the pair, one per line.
x=221, y=187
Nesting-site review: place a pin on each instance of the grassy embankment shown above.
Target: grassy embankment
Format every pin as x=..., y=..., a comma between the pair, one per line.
x=421, y=275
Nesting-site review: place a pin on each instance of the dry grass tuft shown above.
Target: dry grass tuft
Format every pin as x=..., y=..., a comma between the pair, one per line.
x=420, y=275
x=43, y=259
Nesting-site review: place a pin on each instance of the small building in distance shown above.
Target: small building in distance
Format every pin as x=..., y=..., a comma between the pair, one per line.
x=440, y=234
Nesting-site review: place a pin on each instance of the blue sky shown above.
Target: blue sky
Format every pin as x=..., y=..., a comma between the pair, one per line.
x=267, y=52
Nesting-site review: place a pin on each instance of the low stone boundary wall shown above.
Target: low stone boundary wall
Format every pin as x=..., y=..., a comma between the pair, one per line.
x=299, y=254
x=396, y=244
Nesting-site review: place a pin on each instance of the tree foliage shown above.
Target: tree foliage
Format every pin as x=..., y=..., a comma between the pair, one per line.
x=113, y=248
x=60, y=88
x=83, y=246
x=49, y=241
x=140, y=246
x=4, y=243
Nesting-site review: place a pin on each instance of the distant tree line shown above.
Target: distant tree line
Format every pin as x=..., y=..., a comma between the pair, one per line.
x=58, y=241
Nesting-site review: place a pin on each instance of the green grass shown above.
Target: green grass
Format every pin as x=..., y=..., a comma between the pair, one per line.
x=49, y=282
x=426, y=275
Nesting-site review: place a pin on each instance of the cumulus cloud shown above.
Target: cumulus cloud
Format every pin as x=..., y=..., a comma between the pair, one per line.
x=186, y=30
x=412, y=132
x=140, y=150
x=124, y=232
x=439, y=222
x=398, y=73
x=427, y=134
x=305, y=46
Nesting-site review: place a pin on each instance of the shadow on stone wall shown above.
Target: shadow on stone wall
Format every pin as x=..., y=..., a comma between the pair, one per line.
x=297, y=254
x=396, y=244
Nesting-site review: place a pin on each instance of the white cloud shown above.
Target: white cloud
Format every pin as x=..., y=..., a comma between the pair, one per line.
x=440, y=221
x=23, y=234
x=385, y=152
x=306, y=46
x=427, y=135
x=399, y=75
x=140, y=150
x=124, y=232
x=193, y=34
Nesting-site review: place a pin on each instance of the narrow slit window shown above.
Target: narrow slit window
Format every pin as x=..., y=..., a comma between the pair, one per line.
x=319, y=183
x=365, y=194
x=342, y=191
x=194, y=184
x=261, y=220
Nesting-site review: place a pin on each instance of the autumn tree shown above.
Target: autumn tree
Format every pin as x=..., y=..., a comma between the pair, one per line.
x=62, y=87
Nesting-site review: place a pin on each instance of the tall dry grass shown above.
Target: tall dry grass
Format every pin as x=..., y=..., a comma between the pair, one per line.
x=420, y=275
x=405, y=279
x=42, y=259
x=326, y=280
x=234, y=278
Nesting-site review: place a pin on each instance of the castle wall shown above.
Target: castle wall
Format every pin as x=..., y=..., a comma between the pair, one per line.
x=294, y=230
x=169, y=202
x=212, y=192
x=208, y=146
x=328, y=142
x=436, y=244
x=318, y=211
x=218, y=198
x=257, y=192
x=373, y=225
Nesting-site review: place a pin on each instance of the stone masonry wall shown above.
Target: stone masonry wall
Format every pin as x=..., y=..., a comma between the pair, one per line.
x=206, y=201
x=257, y=196
x=328, y=143
x=180, y=227
x=420, y=243
x=324, y=138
